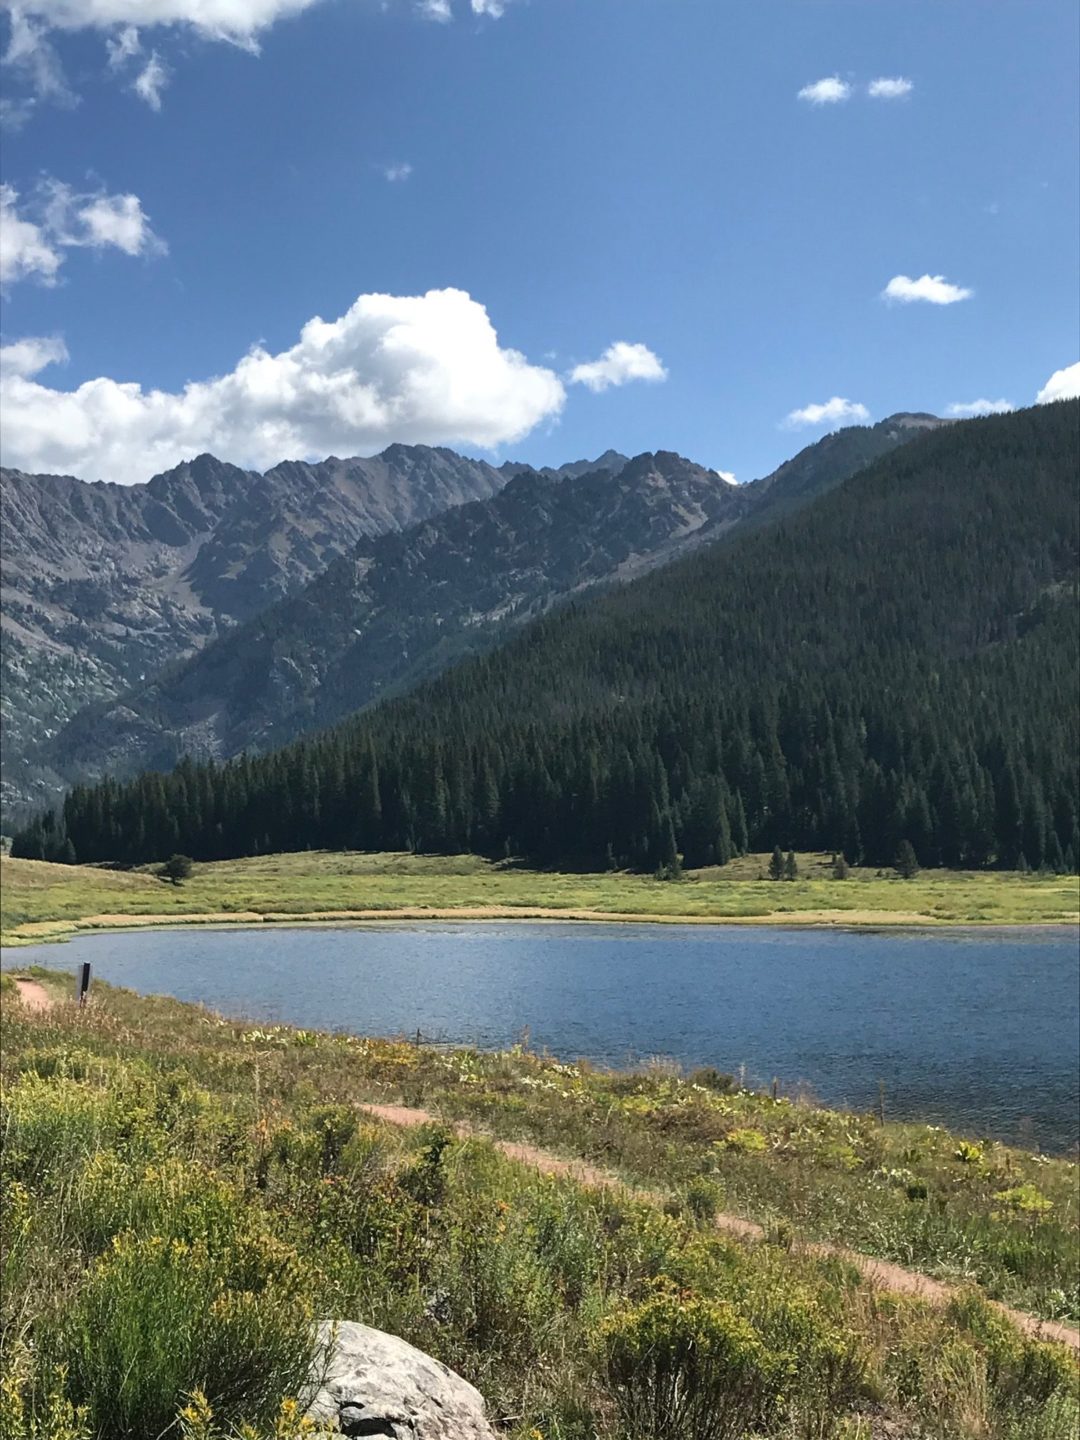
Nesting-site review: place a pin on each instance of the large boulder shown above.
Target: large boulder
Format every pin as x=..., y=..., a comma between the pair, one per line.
x=377, y=1385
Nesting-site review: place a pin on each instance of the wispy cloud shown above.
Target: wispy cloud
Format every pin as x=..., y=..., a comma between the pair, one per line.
x=495, y=8
x=34, y=24
x=1062, y=385
x=56, y=218
x=966, y=410
x=438, y=10
x=829, y=91
x=932, y=289
x=151, y=81
x=398, y=172
x=895, y=87
x=832, y=413
x=15, y=113
x=122, y=47
x=31, y=52
x=619, y=364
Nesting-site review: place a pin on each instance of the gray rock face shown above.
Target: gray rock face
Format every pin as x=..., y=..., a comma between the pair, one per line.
x=103, y=585
x=378, y=1385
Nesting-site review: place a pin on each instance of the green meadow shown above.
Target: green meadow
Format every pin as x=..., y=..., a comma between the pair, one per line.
x=42, y=901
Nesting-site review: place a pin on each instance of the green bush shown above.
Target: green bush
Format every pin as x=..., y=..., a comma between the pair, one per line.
x=681, y=1367
x=159, y=1319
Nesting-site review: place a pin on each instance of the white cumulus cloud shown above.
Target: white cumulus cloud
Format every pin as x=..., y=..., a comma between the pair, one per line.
x=495, y=8
x=119, y=220
x=965, y=410
x=834, y=412
x=151, y=81
x=417, y=369
x=438, y=10
x=619, y=364
x=728, y=477
x=829, y=91
x=887, y=87
x=933, y=289
x=27, y=357
x=1062, y=385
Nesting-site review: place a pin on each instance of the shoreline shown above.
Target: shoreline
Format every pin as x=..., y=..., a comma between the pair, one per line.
x=52, y=932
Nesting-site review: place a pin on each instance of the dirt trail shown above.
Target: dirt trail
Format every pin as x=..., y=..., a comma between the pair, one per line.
x=882, y=1274
x=33, y=995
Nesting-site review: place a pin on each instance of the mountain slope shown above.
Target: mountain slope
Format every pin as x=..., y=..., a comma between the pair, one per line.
x=103, y=585
x=401, y=607
x=897, y=661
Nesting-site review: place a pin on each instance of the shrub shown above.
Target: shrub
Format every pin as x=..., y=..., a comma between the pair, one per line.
x=704, y=1198
x=159, y=1319
x=1026, y=1198
x=684, y=1368
x=709, y=1078
x=968, y=1153
x=40, y=1411
x=747, y=1141
x=176, y=869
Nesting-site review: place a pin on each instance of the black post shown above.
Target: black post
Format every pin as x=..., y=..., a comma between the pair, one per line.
x=84, y=983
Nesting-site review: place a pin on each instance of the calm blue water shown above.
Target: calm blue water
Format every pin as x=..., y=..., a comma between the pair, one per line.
x=979, y=1031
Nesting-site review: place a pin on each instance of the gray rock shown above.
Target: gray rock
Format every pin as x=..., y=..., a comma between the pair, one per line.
x=375, y=1384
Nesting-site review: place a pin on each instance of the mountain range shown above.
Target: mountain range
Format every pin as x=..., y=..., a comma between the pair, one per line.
x=893, y=663
x=215, y=610
x=104, y=585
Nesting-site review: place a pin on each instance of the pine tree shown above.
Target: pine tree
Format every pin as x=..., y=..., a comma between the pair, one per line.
x=791, y=866
x=776, y=864
x=906, y=863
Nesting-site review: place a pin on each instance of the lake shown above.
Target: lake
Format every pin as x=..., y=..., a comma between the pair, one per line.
x=974, y=1029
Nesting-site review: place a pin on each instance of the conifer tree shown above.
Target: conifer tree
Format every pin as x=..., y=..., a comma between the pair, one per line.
x=906, y=863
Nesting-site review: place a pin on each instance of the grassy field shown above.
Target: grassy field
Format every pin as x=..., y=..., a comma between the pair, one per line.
x=184, y=1194
x=41, y=901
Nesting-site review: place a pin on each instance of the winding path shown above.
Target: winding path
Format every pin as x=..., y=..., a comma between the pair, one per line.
x=882, y=1274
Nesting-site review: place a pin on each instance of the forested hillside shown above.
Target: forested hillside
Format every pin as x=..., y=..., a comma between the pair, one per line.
x=898, y=661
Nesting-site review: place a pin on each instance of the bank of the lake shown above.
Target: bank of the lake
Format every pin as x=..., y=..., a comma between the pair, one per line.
x=42, y=902
x=975, y=1028
x=206, y=1185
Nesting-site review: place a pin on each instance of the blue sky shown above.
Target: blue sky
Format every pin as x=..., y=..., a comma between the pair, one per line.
x=587, y=171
